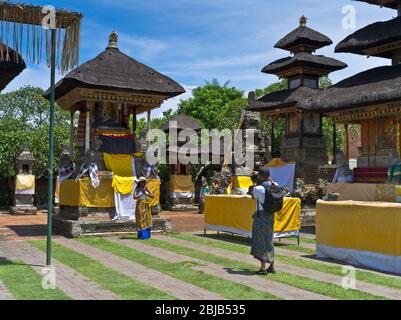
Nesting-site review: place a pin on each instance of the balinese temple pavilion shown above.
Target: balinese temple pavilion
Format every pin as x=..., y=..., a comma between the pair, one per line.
x=11, y=65
x=303, y=141
x=371, y=99
x=181, y=189
x=364, y=226
x=108, y=92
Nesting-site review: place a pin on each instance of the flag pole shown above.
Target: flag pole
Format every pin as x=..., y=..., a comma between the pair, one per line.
x=51, y=149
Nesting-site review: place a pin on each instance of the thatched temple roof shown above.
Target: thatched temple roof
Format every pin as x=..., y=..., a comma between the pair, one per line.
x=371, y=87
x=372, y=36
x=303, y=36
x=304, y=59
x=10, y=67
x=183, y=122
x=297, y=98
x=115, y=71
x=383, y=3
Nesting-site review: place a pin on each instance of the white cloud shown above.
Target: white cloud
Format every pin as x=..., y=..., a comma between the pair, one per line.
x=37, y=75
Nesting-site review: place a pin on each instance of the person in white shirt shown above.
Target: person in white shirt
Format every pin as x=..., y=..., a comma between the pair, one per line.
x=263, y=225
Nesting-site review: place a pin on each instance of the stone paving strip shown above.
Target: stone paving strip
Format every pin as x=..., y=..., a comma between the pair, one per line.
x=75, y=285
x=262, y=284
x=165, y=283
x=306, y=245
x=4, y=293
x=374, y=289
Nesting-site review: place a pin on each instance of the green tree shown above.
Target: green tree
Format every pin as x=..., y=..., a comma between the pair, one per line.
x=215, y=106
x=24, y=117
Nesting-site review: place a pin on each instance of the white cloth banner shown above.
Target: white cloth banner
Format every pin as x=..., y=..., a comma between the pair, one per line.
x=182, y=195
x=125, y=206
x=284, y=176
x=26, y=191
x=368, y=259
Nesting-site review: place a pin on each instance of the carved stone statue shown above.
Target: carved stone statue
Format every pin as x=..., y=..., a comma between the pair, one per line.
x=343, y=173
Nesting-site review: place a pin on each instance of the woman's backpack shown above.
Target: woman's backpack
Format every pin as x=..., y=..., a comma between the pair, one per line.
x=273, y=198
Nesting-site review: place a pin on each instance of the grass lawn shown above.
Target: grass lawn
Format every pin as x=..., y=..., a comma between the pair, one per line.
x=24, y=283
x=181, y=271
x=120, y=284
x=324, y=288
x=313, y=265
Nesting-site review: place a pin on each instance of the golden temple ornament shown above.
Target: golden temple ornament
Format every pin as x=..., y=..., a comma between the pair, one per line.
x=113, y=38
x=303, y=21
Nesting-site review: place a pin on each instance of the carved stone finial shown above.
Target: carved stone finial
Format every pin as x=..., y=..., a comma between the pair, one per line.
x=113, y=38
x=303, y=21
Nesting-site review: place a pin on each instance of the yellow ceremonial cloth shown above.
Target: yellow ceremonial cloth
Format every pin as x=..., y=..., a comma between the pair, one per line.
x=69, y=193
x=236, y=212
x=242, y=182
x=181, y=184
x=398, y=193
x=154, y=186
x=277, y=162
x=120, y=164
x=81, y=192
x=114, y=132
x=25, y=182
x=366, y=226
x=123, y=185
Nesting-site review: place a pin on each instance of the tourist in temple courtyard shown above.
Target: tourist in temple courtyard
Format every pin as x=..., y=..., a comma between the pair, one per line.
x=143, y=212
x=269, y=200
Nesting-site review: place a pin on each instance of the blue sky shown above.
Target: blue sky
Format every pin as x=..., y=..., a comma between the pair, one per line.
x=197, y=40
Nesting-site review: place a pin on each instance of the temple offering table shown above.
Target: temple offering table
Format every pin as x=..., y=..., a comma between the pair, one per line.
x=361, y=233
x=233, y=214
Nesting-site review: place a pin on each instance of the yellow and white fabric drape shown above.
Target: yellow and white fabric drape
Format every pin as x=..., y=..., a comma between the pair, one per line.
x=233, y=214
x=154, y=186
x=25, y=184
x=124, y=197
x=120, y=164
x=242, y=183
x=360, y=233
x=181, y=187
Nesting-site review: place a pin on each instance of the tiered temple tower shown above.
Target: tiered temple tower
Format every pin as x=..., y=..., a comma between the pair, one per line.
x=303, y=141
x=371, y=99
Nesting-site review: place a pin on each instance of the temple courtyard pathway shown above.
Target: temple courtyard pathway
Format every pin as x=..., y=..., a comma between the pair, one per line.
x=186, y=264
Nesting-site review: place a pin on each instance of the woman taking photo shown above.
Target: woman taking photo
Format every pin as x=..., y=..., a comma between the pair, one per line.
x=143, y=212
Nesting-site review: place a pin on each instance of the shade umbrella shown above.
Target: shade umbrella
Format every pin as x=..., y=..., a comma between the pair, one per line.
x=36, y=32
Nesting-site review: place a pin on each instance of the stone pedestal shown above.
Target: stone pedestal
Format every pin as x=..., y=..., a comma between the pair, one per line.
x=24, y=185
x=309, y=154
x=98, y=226
x=183, y=205
x=23, y=210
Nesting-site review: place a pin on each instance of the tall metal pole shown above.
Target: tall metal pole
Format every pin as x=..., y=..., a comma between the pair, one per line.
x=51, y=149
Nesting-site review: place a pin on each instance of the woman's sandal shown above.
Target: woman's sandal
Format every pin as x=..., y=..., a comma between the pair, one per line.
x=262, y=272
